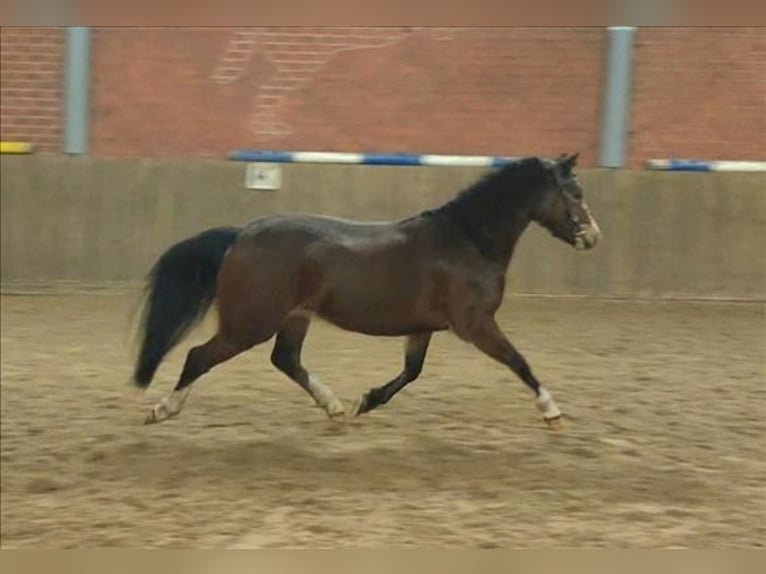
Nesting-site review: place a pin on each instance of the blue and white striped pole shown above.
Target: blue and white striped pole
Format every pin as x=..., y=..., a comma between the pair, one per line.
x=697, y=165
x=267, y=156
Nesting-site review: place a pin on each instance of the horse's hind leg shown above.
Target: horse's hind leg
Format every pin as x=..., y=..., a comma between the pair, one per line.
x=199, y=361
x=286, y=356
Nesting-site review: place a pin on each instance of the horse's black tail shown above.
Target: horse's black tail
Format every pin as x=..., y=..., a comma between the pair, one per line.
x=180, y=289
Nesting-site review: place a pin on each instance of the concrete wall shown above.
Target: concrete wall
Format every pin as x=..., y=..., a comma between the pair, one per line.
x=105, y=221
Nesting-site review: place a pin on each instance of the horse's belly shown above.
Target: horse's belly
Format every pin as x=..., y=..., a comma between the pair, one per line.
x=379, y=309
x=380, y=290
x=383, y=326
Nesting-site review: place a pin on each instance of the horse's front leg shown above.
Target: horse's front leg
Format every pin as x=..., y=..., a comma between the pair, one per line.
x=488, y=338
x=414, y=356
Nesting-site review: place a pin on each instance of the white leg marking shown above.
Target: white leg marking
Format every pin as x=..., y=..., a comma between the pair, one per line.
x=546, y=405
x=325, y=398
x=168, y=407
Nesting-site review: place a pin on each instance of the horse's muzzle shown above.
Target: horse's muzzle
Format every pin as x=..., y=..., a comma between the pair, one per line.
x=587, y=237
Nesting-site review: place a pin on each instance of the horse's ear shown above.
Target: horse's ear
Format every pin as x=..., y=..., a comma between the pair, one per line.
x=566, y=164
x=568, y=160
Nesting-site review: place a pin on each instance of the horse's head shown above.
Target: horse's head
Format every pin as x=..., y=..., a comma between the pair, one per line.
x=561, y=208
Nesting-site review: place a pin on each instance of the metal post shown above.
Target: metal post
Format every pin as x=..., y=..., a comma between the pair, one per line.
x=616, y=114
x=77, y=88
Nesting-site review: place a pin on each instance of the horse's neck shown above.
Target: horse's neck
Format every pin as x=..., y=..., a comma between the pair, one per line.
x=494, y=237
x=505, y=239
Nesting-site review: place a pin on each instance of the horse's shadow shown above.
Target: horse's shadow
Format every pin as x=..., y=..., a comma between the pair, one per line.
x=305, y=459
x=375, y=455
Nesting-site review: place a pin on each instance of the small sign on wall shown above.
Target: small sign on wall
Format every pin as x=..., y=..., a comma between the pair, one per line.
x=263, y=176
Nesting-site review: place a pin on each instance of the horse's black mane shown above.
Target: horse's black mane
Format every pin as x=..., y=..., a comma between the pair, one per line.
x=493, y=211
x=513, y=185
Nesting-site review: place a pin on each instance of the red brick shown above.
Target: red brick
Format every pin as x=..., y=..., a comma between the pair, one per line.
x=698, y=92
x=689, y=86
x=32, y=75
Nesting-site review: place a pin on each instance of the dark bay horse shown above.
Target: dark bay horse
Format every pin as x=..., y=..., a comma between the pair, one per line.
x=441, y=269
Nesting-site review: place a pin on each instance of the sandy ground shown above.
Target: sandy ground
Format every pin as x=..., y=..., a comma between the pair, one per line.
x=664, y=442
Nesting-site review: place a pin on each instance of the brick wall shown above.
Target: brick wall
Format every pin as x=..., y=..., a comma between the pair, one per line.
x=31, y=86
x=487, y=91
x=698, y=93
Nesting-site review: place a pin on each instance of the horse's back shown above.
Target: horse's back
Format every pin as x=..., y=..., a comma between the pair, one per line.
x=325, y=240
x=292, y=245
x=317, y=227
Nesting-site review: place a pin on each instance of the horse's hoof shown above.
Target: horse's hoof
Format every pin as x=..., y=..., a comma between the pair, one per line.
x=337, y=414
x=334, y=408
x=158, y=414
x=361, y=406
x=554, y=423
